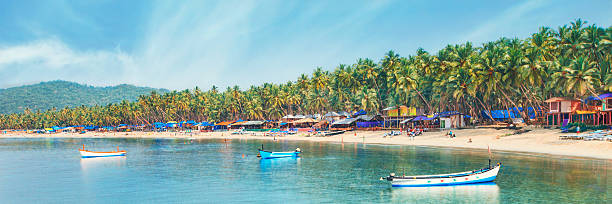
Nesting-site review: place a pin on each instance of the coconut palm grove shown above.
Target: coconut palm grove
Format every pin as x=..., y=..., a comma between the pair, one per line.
x=569, y=61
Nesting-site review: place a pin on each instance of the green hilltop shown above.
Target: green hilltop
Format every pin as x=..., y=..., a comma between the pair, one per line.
x=59, y=94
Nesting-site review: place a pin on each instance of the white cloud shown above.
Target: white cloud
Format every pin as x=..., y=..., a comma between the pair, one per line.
x=51, y=59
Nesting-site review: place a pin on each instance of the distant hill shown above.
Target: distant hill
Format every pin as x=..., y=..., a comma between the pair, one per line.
x=60, y=94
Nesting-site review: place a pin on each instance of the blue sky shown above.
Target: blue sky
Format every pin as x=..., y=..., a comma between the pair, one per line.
x=183, y=44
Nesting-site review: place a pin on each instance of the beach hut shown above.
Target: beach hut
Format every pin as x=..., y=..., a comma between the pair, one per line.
x=425, y=121
x=321, y=125
x=345, y=124
x=606, y=108
x=369, y=122
x=237, y=124
x=451, y=119
x=597, y=109
x=253, y=125
x=394, y=115
x=304, y=122
x=223, y=125
x=560, y=110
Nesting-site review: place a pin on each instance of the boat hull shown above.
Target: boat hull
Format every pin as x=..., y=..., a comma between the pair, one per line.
x=446, y=180
x=270, y=155
x=88, y=154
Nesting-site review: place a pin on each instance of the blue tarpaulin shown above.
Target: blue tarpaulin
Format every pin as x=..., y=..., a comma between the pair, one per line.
x=369, y=124
x=510, y=113
x=360, y=112
x=91, y=127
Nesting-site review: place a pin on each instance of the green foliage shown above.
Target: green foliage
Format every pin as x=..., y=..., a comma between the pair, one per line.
x=571, y=61
x=572, y=127
x=61, y=94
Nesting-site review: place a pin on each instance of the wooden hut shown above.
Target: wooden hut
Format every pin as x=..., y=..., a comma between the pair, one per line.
x=393, y=116
x=604, y=116
x=561, y=110
x=452, y=119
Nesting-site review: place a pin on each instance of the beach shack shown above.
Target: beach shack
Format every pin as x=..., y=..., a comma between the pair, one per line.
x=425, y=121
x=369, y=122
x=452, y=119
x=394, y=115
x=304, y=123
x=250, y=125
x=333, y=116
x=344, y=124
x=606, y=108
x=221, y=126
x=560, y=110
x=600, y=107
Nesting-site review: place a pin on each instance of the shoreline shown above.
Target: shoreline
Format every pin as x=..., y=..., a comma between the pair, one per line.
x=537, y=141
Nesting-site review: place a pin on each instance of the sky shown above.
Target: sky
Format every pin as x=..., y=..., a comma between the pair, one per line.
x=183, y=44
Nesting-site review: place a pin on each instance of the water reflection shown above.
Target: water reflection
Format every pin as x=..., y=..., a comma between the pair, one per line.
x=102, y=162
x=474, y=193
x=278, y=163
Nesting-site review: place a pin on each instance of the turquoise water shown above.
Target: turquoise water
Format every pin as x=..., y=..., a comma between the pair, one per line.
x=210, y=171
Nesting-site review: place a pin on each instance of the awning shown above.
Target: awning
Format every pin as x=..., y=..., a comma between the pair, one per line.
x=239, y=123
x=367, y=117
x=225, y=123
x=584, y=112
x=424, y=118
x=407, y=120
x=253, y=123
x=346, y=121
x=331, y=114
x=557, y=99
x=305, y=120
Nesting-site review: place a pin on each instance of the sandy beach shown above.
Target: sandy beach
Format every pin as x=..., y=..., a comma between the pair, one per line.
x=536, y=141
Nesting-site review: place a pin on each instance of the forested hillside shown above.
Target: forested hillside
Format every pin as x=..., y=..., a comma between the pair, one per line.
x=60, y=94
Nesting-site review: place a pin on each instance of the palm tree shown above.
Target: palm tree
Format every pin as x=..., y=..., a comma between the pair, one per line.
x=581, y=76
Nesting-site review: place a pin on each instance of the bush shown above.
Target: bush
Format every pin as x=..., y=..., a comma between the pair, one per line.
x=571, y=127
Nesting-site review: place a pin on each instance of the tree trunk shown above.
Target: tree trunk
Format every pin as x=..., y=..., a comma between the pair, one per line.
x=512, y=102
x=423, y=98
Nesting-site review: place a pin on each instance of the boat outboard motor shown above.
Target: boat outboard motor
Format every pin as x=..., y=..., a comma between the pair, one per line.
x=390, y=177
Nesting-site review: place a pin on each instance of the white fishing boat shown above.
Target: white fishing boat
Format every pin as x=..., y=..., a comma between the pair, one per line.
x=469, y=177
x=89, y=154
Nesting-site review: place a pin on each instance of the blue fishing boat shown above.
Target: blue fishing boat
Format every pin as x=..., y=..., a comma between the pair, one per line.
x=269, y=155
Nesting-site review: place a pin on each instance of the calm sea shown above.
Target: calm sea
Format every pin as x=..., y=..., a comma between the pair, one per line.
x=215, y=171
